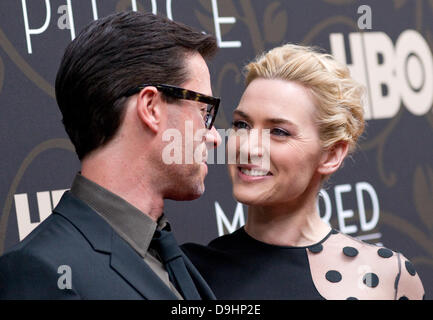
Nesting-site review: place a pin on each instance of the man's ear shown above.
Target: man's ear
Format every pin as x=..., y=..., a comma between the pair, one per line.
x=333, y=158
x=149, y=108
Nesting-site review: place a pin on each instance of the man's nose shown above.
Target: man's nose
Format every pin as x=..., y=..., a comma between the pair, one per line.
x=212, y=138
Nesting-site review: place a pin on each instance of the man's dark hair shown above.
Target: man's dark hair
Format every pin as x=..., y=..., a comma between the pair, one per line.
x=112, y=55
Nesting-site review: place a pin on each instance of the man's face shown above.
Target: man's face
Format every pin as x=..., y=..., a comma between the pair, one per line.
x=187, y=118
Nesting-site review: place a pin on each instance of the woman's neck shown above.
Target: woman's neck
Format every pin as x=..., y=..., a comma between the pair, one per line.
x=286, y=225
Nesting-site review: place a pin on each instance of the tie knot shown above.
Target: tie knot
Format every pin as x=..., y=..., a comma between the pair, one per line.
x=165, y=244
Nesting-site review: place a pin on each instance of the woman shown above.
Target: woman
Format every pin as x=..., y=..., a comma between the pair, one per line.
x=308, y=111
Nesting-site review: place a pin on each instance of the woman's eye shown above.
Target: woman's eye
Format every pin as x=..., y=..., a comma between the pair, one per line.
x=240, y=124
x=280, y=132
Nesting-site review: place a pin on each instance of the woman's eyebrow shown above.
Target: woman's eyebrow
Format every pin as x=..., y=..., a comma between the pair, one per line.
x=280, y=121
x=242, y=114
x=269, y=120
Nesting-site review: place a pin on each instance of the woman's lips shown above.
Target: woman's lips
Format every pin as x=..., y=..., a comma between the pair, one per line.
x=250, y=173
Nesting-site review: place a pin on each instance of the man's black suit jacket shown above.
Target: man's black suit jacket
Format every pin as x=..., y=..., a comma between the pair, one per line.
x=102, y=264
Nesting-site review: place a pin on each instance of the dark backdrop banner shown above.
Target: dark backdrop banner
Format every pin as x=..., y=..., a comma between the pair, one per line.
x=383, y=194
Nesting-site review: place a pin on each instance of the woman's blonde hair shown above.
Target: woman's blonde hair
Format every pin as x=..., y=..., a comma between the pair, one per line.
x=339, y=98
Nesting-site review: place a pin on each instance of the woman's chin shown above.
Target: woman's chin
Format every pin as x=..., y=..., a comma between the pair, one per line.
x=247, y=198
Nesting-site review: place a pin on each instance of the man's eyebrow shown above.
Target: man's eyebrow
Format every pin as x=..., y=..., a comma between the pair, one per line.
x=269, y=120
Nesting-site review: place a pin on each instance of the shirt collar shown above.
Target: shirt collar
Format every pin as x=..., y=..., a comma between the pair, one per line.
x=134, y=226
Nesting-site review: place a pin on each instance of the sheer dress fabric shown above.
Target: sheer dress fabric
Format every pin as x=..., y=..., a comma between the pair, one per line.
x=339, y=267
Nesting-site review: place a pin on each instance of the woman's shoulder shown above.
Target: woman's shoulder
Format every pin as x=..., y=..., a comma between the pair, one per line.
x=366, y=270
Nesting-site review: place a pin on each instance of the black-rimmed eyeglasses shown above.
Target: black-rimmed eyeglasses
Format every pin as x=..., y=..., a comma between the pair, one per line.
x=181, y=93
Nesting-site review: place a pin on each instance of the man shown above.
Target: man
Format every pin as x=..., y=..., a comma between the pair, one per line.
x=122, y=84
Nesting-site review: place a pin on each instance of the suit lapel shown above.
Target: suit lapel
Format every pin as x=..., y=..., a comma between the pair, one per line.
x=94, y=228
x=136, y=272
x=102, y=238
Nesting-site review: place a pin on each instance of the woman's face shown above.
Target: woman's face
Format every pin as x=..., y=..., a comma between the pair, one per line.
x=292, y=144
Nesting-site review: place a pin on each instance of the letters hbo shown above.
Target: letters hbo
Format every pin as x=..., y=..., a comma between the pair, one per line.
x=392, y=74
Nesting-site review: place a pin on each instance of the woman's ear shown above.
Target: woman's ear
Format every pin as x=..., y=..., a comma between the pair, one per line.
x=333, y=158
x=149, y=108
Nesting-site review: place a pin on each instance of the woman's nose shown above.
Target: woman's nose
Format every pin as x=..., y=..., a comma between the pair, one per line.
x=254, y=147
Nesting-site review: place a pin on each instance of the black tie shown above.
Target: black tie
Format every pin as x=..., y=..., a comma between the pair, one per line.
x=165, y=244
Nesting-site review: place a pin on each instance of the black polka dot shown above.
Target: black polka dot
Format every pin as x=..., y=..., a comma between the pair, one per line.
x=333, y=231
x=410, y=268
x=385, y=253
x=350, y=251
x=351, y=298
x=403, y=298
x=333, y=276
x=370, y=280
x=397, y=279
x=316, y=248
